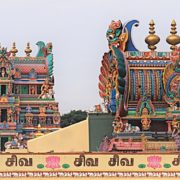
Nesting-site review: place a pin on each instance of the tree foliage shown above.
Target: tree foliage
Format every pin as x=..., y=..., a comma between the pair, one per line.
x=73, y=117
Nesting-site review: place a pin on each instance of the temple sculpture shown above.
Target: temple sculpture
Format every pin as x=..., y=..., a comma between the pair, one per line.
x=27, y=104
x=141, y=89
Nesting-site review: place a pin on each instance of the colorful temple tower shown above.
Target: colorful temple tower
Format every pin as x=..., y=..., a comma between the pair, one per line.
x=142, y=90
x=27, y=104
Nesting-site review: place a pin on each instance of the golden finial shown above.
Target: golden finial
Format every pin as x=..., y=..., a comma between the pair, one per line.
x=14, y=50
x=173, y=39
x=152, y=39
x=39, y=127
x=38, y=133
x=28, y=49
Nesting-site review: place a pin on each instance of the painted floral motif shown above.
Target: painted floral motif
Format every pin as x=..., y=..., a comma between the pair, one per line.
x=53, y=162
x=154, y=161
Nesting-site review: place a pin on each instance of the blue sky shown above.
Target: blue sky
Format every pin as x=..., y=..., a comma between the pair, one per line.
x=77, y=30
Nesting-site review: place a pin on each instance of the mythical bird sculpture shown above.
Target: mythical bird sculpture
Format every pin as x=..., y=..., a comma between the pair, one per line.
x=114, y=73
x=46, y=51
x=119, y=35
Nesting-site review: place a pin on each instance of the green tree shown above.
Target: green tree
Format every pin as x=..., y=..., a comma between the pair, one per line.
x=73, y=117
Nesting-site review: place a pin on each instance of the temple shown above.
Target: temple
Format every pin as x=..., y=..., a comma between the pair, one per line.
x=134, y=133
x=27, y=105
x=142, y=90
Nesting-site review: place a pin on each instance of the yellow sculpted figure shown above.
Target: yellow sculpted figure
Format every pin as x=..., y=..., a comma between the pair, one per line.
x=45, y=88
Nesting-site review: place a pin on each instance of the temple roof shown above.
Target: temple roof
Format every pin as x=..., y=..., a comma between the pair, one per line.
x=26, y=58
x=26, y=68
x=41, y=64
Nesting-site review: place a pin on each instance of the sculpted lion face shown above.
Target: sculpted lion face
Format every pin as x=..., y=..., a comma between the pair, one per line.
x=117, y=35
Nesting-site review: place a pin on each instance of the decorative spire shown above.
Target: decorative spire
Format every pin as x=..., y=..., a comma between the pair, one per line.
x=173, y=39
x=152, y=39
x=14, y=50
x=28, y=49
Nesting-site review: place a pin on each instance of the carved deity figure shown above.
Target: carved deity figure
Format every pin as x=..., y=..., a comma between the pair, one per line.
x=175, y=125
x=56, y=118
x=17, y=90
x=32, y=90
x=29, y=118
x=145, y=120
x=10, y=115
x=118, y=125
x=3, y=72
x=28, y=109
x=9, y=89
x=17, y=74
x=50, y=93
x=130, y=128
x=42, y=110
x=45, y=88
